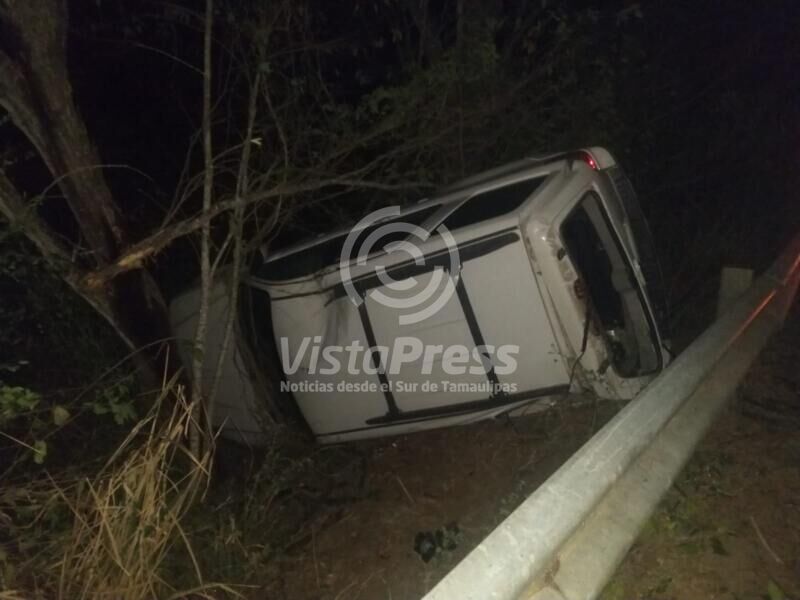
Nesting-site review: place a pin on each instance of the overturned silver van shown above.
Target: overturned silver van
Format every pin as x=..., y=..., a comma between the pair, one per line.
x=502, y=293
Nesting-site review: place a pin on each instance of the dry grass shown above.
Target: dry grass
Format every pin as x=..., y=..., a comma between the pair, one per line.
x=127, y=519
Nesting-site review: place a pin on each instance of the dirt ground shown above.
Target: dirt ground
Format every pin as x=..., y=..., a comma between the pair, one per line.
x=461, y=481
x=729, y=529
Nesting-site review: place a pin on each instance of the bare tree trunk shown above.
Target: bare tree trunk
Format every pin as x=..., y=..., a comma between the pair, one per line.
x=206, y=275
x=35, y=90
x=460, y=71
x=13, y=208
x=236, y=232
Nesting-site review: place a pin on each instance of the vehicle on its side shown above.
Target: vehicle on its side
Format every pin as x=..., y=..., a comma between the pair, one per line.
x=546, y=284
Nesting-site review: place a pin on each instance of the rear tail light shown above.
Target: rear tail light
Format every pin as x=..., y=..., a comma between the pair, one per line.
x=589, y=160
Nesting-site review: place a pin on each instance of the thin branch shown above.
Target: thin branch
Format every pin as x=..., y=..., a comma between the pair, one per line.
x=763, y=541
x=136, y=255
x=236, y=230
x=200, y=341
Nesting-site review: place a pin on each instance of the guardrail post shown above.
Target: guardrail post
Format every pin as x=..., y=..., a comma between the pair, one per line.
x=733, y=282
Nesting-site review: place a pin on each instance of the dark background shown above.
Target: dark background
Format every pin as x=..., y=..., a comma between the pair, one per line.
x=698, y=101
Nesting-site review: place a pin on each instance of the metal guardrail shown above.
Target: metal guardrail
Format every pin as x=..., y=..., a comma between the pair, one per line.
x=566, y=540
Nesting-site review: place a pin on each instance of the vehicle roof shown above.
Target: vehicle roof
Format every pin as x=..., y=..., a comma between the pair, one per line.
x=455, y=192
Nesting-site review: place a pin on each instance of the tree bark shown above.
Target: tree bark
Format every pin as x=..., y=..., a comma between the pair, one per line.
x=13, y=208
x=36, y=91
x=40, y=103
